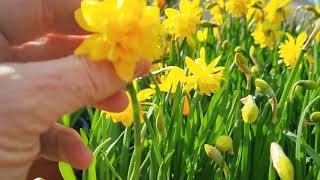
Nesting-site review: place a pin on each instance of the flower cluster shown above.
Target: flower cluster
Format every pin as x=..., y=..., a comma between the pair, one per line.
x=183, y=23
x=124, y=32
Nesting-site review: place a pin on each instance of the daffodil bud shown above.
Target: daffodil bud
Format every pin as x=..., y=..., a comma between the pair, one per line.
x=315, y=117
x=254, y=70
x=253, y=56
x=238, y=49
x=186, y=108
x=263, y=87
x=160, y=122
x=250, y=110
x=225, y=144
x=225, y=45
x=308, y=84
x=214, y=154
x=281, y=162
x=242, y=63
x=309, y=7
x=253, y=52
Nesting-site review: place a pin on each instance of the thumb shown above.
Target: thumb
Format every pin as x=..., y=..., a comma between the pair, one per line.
x=43, y=91
x=64, y=144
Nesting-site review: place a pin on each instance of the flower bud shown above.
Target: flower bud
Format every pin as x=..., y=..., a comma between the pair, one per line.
x=242, y=63
x=186, y=107
x=214, y=154
x=225, y=45
x=281, y=162
x=238, y=49
x=309, y=7
x=250, y=110
x=263, y=87
x=308, y=84
x=224, y=143
x=159, y=122
x=254, y=70
x=253, y=52
x=315, y=117
x=253, y=56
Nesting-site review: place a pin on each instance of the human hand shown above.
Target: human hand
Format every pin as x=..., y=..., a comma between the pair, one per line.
x=41, y=80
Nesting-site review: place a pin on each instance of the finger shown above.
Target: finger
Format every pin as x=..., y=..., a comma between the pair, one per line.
x=115, y=103
x=64, y=144
x=52, y=88
x=4, y=50
x=46, y=48
x=144, y=67
x=37, y=18
x=45, y=169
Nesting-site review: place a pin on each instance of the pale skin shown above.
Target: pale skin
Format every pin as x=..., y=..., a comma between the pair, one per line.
x=42, y=81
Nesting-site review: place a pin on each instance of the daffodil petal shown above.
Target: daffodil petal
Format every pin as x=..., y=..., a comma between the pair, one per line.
x=145, y=94
x=193, y=67
x=302, y=37
x=125, y=69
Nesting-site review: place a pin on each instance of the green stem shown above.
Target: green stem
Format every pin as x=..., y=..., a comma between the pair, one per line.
x=290, y=82
x=299, y=134
x=137, y=133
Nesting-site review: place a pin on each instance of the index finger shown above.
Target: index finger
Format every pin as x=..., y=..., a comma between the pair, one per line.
x=22, y=21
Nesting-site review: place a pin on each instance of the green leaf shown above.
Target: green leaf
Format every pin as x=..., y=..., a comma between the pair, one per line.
x=66, y=171
x=92, y=169
x=311, y=152
x=84, y=136
x=65, y=120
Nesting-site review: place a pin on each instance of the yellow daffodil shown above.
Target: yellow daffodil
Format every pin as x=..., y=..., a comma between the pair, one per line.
x=238, y=8
x=266, y=34
x=277, y=11
x=216, y=13
x=217, y=33
x=255, y=10
x=281, y=162
x=291, y=48
x=205, y=78
x=183, y=23
x=202, y=35
x=123, y=32
x=172, y=80
x=126, y=116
